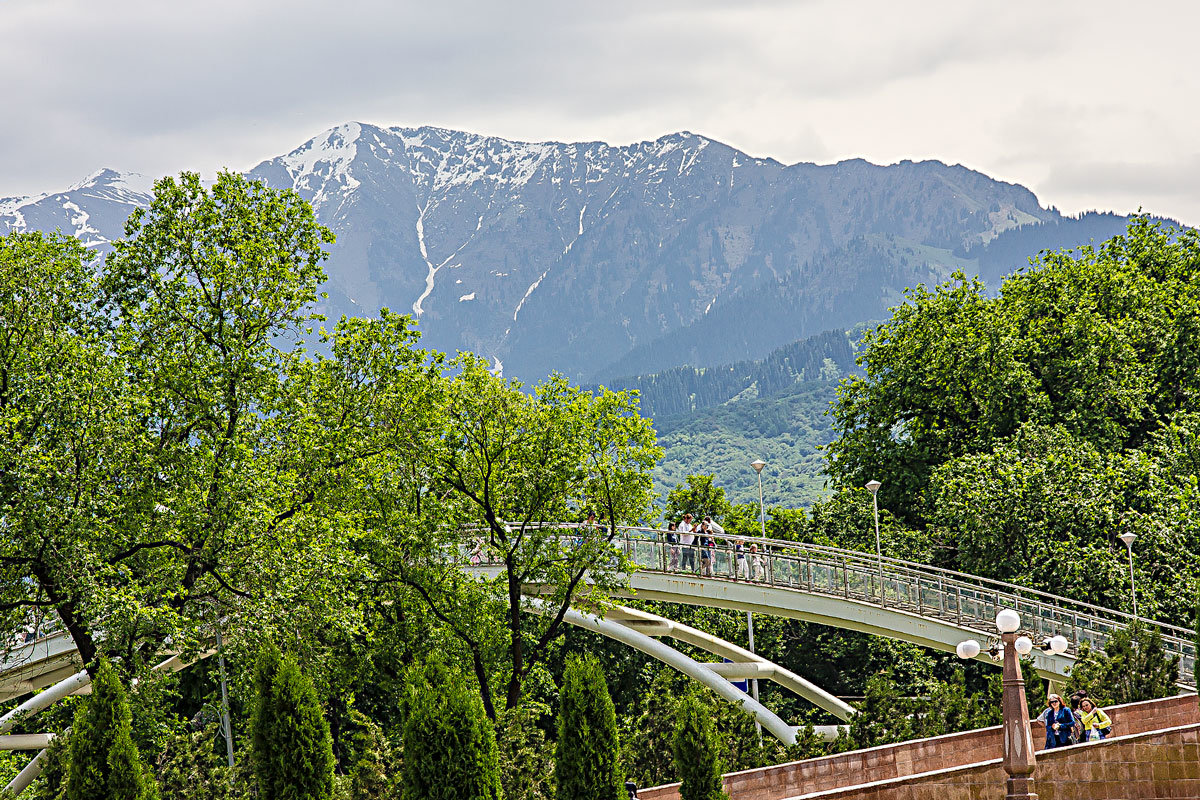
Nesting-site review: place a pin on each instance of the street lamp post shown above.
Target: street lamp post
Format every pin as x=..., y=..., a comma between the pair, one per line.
x=873, y=487
x=758, y=465
x=1128, y=538
x=1019, y=760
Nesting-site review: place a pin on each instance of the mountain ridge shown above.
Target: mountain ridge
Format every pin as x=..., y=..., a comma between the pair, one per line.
x=580, y=256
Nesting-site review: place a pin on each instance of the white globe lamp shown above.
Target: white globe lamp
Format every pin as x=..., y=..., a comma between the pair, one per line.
x=1024, y=645
x=1058, y=645
x=1008, y=621
x=968, y=649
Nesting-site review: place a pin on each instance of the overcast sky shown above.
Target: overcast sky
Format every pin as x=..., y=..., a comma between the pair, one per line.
x=1090, y=104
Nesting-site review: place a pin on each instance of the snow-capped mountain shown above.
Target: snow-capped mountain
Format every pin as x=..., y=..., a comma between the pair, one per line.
x=580, y=256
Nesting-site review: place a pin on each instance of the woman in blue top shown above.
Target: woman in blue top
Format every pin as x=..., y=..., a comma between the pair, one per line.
x=1059, y=721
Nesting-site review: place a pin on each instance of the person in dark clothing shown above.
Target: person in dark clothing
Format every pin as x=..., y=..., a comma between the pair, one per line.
x=1059, y=721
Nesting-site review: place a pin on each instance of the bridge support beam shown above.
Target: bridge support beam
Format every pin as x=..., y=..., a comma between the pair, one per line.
x=746, y=664
x=693, y=669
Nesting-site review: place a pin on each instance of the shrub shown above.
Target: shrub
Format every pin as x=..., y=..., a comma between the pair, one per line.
x=449, y=744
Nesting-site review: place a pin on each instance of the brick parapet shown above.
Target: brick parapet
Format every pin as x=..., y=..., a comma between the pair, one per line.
x=1155, y=765
x=889, y=762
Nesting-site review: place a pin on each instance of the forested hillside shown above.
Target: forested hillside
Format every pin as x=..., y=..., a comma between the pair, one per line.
x=825, y=357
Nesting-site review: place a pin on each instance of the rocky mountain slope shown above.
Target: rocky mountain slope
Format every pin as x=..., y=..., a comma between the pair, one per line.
x=598, y=260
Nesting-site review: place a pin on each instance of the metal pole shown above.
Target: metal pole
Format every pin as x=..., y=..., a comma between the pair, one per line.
x=753, y=681
x=1132, y=586
x=878, y=547
x=762, y=513
x=227, y=729
x=762, y=520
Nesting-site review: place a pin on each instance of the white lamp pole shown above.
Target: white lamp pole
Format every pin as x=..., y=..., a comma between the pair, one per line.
x=873, y=488
x=758, y=465
x=1128, y=538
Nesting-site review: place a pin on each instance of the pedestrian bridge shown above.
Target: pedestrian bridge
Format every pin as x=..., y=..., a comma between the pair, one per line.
x=853, y=590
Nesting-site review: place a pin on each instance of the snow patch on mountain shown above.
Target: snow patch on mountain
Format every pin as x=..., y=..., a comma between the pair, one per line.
x=322, y=165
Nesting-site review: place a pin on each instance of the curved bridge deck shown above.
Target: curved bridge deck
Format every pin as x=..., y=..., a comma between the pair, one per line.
x=884, y=596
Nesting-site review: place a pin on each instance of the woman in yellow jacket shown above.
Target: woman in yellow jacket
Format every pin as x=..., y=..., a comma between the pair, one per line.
x=1096, y=724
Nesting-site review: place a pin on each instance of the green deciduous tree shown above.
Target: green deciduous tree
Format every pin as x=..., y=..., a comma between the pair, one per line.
x=1097, y=341
x=160, y=401
x=701, y=498
x=696, y=749
x=293, y=758
x=587, y=760
x=449, y=745
x=104, y=762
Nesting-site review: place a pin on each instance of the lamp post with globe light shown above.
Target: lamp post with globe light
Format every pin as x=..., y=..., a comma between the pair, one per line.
x=1128, y=539
x=873, y=488
x=1019, y=761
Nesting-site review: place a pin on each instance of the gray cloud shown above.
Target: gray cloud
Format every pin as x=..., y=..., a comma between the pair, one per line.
x=1028, y=92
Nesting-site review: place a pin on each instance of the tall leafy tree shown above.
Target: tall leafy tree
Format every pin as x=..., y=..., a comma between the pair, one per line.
x=479, y=469
x=104, y=761
x=64, y=434
x=1097, y=341
x=167, y=488
x=587, y=761
x=700, y=497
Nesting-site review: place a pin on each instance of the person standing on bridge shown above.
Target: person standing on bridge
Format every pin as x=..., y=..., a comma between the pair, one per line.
x=757, y=569
x=672, y=547
x=686, y=540
x=1058, y=720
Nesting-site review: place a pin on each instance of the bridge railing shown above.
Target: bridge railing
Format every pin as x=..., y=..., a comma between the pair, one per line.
x=965, y=600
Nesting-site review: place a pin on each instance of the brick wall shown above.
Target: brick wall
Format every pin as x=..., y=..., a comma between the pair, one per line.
x=894, y=761
x=1145, y=766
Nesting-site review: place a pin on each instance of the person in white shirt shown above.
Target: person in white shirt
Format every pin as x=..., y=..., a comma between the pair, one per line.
x=687, y=538
x=757, y=567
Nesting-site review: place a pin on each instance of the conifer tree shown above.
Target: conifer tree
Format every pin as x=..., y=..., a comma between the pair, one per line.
x=1133, y=667
x=293, y=752
x=587, y=761
x=449, y=745
x=104, y=762
x=696, y=748
x=189, y=768
x=53, y=780
x=369, y=775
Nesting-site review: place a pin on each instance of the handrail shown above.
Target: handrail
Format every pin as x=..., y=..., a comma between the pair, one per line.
x=933, y=592
x=916, y=566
